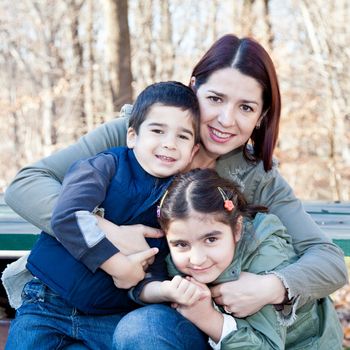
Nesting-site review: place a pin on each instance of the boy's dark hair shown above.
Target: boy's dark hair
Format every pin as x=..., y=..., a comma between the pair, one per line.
x=198, y=190
x=170, y=93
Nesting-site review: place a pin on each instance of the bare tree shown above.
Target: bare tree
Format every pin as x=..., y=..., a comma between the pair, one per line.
x=118, y=58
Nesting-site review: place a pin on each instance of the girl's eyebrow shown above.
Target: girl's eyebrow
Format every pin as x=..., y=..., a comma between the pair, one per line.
x=214, y=233
x=175, y=241
x=210, y=234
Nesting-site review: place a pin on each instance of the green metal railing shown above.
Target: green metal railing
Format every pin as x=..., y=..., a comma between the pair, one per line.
x=18, y=236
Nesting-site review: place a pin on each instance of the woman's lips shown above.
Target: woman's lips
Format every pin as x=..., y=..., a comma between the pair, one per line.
x=219, y=136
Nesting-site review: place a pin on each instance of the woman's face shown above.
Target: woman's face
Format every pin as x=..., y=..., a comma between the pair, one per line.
x=230, y=104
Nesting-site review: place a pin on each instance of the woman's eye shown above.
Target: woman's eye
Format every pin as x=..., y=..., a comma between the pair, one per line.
x=215, y=99
x=247, y=108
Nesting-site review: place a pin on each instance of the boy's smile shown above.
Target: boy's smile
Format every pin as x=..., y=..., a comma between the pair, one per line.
x=164, y=145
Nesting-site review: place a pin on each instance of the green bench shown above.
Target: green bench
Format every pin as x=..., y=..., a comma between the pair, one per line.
x=18, y=236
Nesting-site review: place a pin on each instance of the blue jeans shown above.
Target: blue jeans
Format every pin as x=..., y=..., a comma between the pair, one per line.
x=158, y=327
x=46, y=321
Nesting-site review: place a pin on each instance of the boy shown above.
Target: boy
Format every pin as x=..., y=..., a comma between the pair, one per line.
x=70, y=297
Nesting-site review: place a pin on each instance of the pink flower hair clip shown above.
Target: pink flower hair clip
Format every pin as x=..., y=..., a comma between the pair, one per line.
x=228, y=204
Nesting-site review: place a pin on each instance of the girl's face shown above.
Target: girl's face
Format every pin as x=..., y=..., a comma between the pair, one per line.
x=201, y=246
x=230, y=104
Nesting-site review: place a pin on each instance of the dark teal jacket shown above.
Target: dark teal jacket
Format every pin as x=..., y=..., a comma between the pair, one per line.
x=266, y=247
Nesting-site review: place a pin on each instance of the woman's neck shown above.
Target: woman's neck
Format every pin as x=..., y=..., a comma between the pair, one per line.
x=203, y=159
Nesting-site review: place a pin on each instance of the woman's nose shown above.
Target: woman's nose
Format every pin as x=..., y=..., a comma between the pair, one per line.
x=227, y=117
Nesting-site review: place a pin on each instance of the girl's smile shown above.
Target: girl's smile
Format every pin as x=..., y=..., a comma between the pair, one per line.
x=201, y=246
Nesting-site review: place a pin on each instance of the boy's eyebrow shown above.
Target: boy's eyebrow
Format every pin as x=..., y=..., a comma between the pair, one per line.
x=188, y=131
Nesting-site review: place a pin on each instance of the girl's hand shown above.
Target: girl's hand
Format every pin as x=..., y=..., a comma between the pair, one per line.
x=183, y=291
x=249, y=293
x=203, y=314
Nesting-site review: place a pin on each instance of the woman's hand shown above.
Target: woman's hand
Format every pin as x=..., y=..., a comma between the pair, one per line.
x=249, y=293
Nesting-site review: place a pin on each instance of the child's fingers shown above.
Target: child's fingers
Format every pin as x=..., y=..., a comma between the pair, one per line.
x=151, y=232
x=142, y=257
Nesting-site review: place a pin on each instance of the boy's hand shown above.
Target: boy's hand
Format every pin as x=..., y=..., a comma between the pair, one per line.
x=129, y=239
x=183, y=291
x=128, y=270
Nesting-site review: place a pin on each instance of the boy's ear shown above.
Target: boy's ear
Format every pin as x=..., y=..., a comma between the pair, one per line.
x=131, y=138
x=195, y=149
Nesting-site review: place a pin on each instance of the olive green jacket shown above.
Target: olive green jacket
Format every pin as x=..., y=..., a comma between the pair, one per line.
x=265, y=247
x=319, y=271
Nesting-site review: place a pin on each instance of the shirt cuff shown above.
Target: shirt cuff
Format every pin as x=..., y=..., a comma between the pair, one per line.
x=229, y=326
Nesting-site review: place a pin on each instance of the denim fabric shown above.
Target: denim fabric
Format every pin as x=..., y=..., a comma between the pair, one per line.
x=158, y=327
x=46, y=321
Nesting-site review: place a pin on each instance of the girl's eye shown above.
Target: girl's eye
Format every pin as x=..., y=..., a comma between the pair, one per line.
x=181, y=245
x=215, y=99
x=247, y=108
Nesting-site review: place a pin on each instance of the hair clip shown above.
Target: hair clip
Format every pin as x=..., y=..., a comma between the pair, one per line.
x=161, y=203
x=228, y=204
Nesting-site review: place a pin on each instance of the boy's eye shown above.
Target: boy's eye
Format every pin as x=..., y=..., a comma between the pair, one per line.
x=215, y=99
x=184, y=137
x=157, y=131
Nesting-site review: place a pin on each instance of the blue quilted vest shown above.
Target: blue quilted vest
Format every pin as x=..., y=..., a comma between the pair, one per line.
x=131, y=198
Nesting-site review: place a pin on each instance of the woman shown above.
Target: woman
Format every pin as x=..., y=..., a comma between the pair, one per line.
x=238, y=93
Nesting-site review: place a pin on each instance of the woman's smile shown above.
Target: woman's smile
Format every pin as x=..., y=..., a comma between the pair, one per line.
x=219, y=136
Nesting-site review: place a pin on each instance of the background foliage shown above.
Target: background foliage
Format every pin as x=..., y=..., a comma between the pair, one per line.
x=66, y=66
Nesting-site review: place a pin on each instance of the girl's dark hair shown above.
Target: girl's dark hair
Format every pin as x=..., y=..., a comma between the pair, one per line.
x=198, y=191
x=249, y=58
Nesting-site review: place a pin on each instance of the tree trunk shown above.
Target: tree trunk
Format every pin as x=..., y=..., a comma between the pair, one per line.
x=118, y=52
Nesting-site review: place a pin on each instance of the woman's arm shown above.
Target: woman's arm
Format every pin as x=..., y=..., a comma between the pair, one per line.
x=321, y=268
x=35, y=189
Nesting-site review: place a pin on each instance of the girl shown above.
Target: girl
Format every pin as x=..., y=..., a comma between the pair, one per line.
x=238, y=93
x=213, y=236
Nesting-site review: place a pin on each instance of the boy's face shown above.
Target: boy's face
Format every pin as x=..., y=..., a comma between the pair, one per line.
x=201, y=246
x=164, y=145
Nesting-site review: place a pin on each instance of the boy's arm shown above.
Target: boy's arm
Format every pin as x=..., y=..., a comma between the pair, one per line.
x=84, y=188
x=34, y=191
